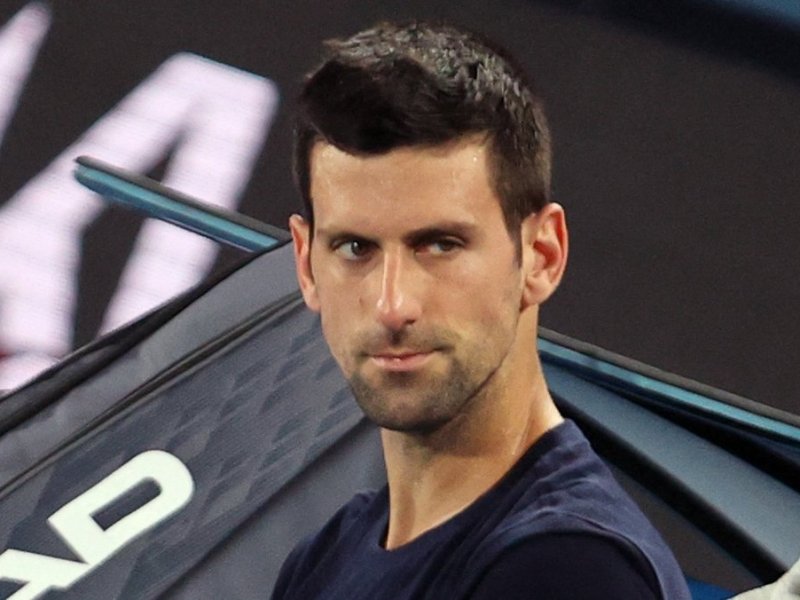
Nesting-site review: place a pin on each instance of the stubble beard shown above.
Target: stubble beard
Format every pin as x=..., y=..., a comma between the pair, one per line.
x=424, y=401
x=420, y=403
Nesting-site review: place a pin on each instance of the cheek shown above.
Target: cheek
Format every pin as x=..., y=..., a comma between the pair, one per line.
x=331, y=320
x=490, y=295
x=337, y=334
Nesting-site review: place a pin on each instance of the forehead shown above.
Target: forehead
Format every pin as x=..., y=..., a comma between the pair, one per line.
x=407, y=186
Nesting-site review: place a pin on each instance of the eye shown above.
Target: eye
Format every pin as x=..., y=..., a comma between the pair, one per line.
x=353, y=249
x=440, y=246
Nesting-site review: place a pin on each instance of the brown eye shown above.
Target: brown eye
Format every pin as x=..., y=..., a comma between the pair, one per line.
x=441, y=247
x=353, y=249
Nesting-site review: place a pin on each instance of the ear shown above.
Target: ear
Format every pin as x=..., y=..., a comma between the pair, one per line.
x=301, y=236
x=545, y=245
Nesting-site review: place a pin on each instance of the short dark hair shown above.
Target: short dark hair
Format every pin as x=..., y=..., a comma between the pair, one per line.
x=421, y=84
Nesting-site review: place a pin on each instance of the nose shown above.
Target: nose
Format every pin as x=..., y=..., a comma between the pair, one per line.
x=398, y=303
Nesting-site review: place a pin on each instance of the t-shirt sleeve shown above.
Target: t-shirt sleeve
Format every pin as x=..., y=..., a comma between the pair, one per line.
x=286, y=574
x=570, y=566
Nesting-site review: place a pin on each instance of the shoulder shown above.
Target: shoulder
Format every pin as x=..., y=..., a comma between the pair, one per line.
x=568, y=504
x=310, y=551
x=356, y=513
x=574, y=565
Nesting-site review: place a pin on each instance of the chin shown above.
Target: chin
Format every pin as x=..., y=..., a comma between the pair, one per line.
x=424, y=418
x=407, y=403
x=419, y=426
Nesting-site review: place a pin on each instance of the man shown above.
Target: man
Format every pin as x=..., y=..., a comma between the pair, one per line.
x=429, y=244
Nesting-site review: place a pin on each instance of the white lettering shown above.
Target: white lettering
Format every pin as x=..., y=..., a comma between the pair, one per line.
x=20, y=40
x=217, y=118
x=75, y=524
x=38, y=572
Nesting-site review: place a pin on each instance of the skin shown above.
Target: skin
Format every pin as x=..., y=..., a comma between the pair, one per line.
x=431, y=316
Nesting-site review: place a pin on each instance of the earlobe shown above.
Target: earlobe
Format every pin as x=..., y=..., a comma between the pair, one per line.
x=301, y=237
x=545, y=245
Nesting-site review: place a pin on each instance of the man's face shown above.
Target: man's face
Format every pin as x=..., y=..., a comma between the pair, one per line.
x=414, y=274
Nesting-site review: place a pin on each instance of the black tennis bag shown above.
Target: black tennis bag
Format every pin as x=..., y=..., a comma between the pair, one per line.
x=184, y=455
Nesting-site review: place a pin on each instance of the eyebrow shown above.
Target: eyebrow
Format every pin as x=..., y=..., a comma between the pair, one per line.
x=334, y=233
x=459, y=229
x=440, y=229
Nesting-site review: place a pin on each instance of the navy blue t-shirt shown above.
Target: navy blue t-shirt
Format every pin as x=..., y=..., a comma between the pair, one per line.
x=556, y=526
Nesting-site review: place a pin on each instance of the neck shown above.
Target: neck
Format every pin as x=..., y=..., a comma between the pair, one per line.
x=434, y=476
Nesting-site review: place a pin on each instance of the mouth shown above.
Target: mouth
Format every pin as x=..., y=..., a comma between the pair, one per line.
x=401, y=360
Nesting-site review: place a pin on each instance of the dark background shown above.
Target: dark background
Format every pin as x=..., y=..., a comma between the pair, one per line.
x=676, y=127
